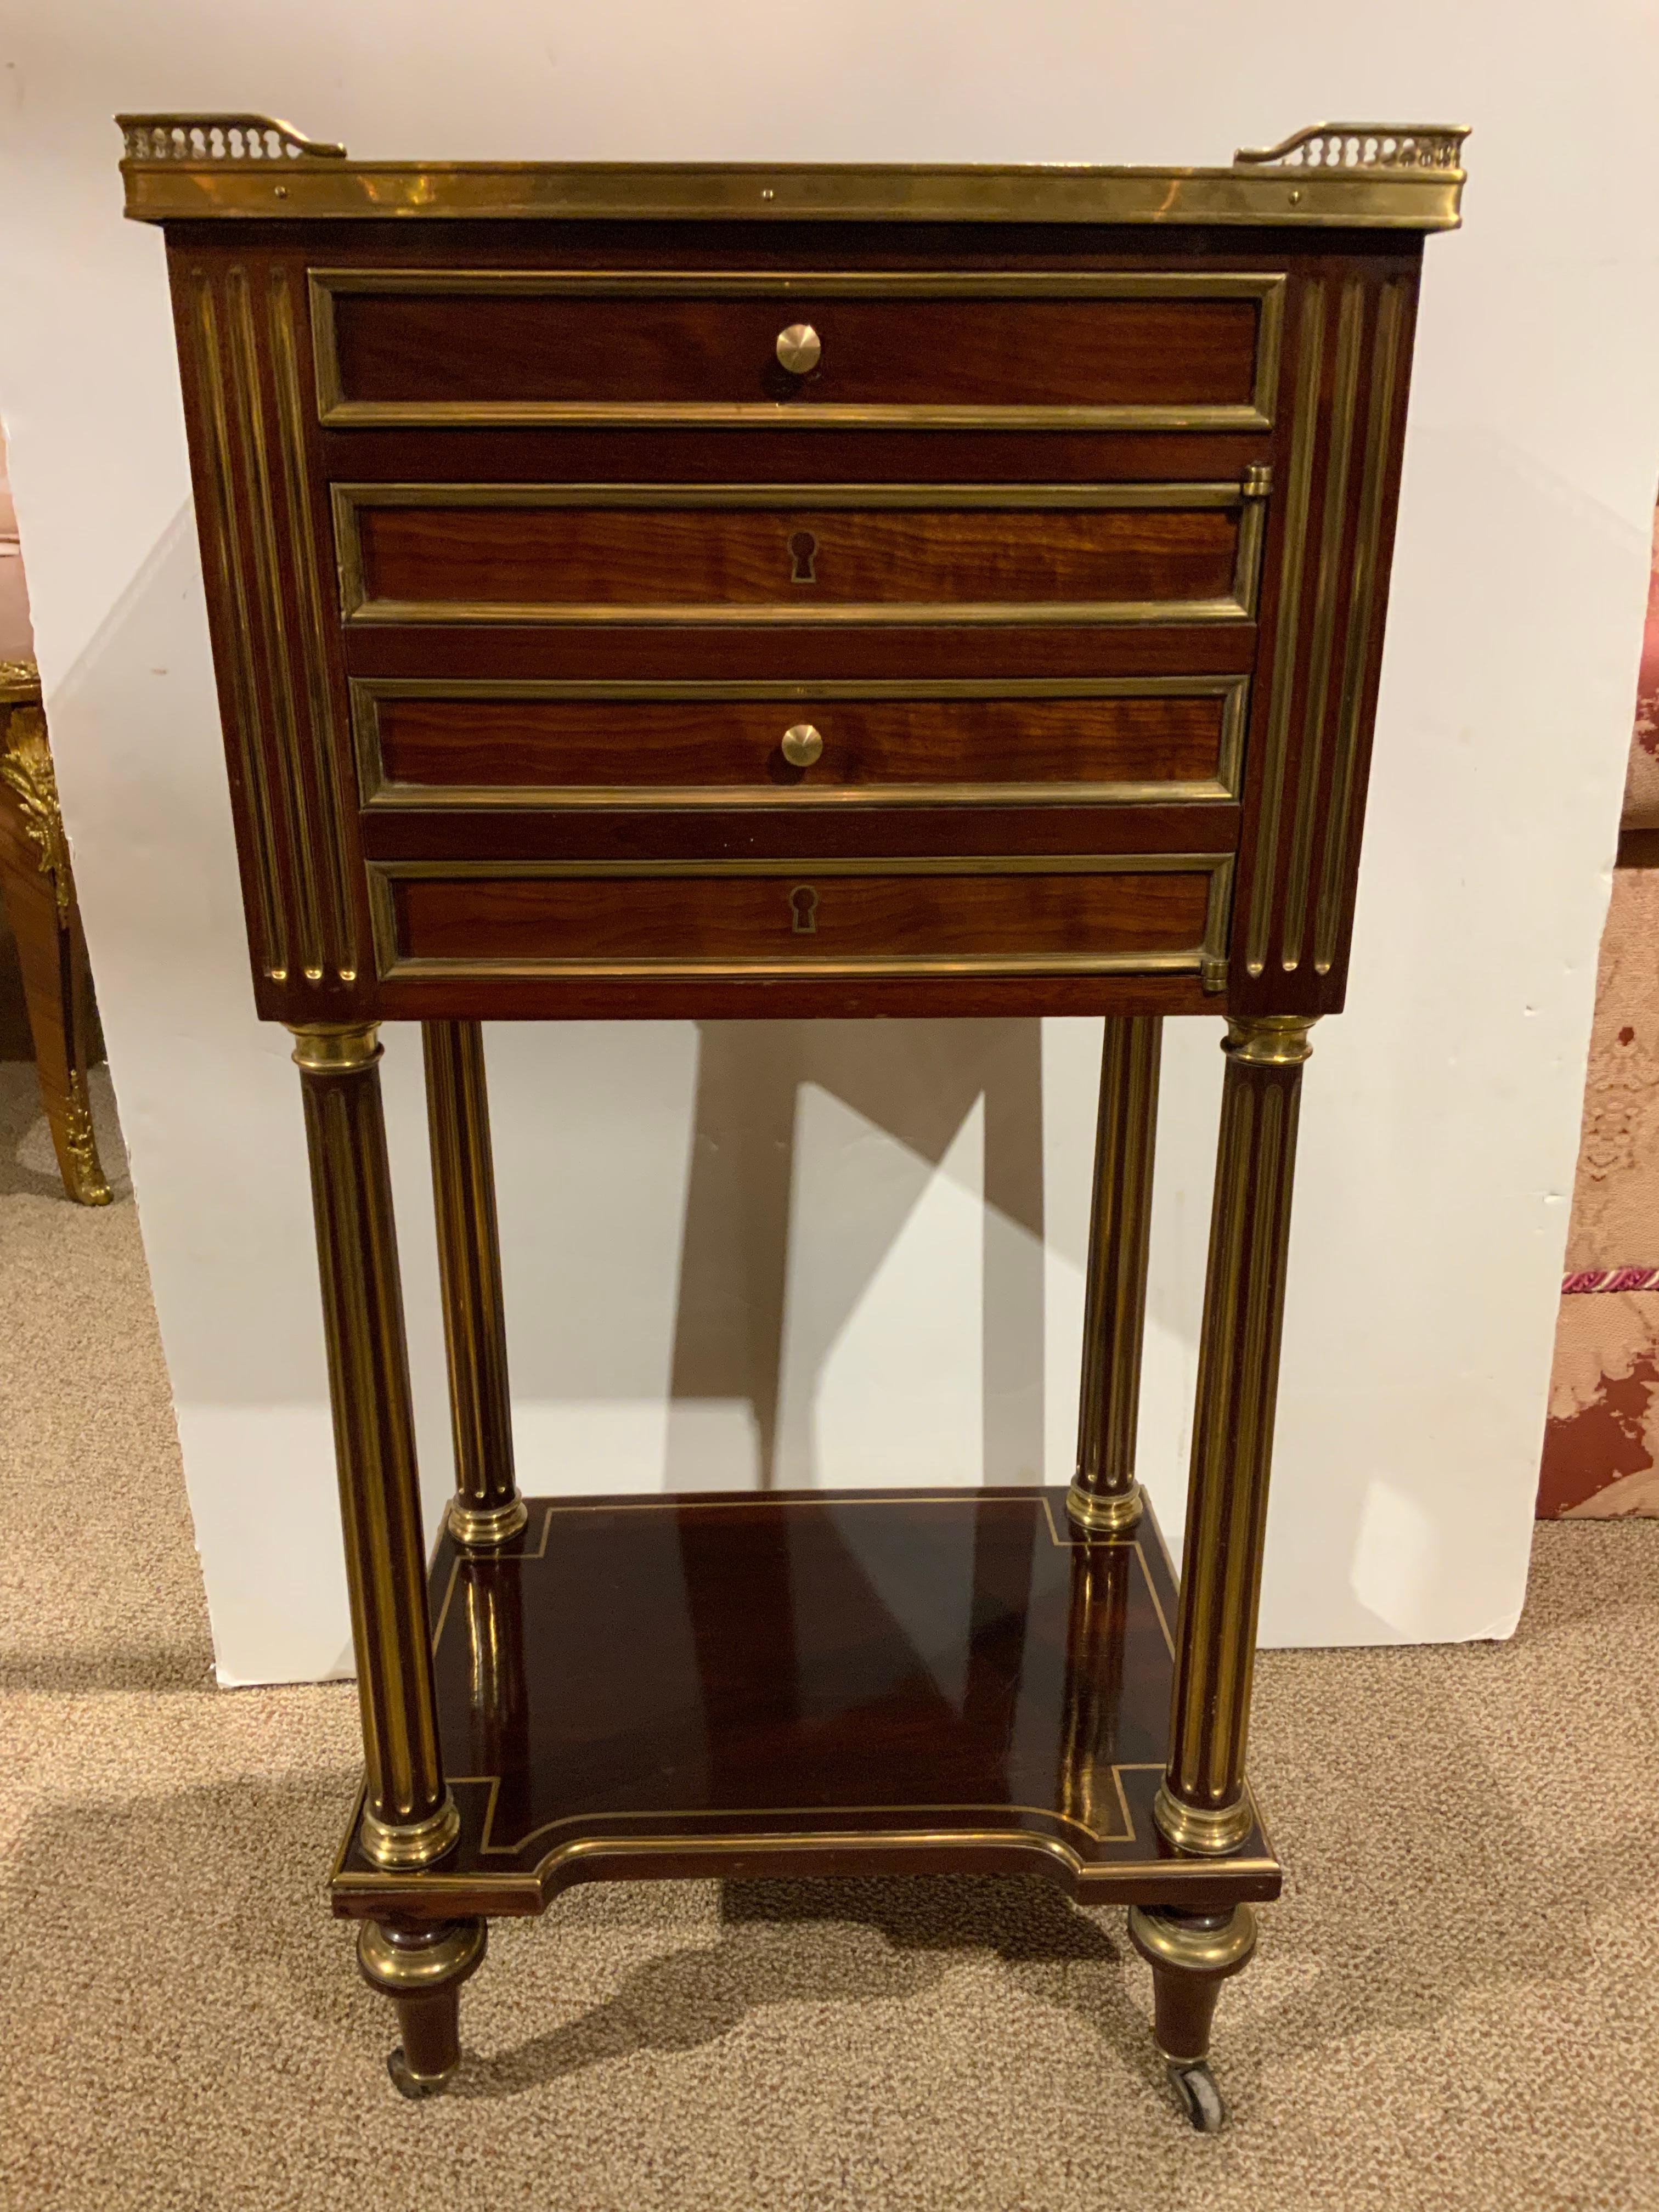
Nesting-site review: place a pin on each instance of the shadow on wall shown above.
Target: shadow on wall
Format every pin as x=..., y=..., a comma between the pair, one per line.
x=788, y=1126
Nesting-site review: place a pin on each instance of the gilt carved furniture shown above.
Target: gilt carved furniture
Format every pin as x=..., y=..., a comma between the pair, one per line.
x=806, y=591
x=39, y=887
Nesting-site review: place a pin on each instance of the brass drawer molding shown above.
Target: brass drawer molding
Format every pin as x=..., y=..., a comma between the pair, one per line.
x=379, y=791
x=1207, y=959
x=189, y=167
x=1248, y=496
x=340, y=411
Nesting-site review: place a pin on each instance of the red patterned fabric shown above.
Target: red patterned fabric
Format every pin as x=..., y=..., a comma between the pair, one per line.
x=1602, y=1441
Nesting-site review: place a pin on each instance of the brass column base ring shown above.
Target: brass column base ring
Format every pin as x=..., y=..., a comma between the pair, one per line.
x=1105, y=1512
x=405, y=1963
x=1211, y=1831
x=1207, y=1944
x=476, y=1527
x=386, y=1845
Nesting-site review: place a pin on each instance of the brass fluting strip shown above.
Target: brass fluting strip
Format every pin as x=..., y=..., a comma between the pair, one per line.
x=1350, y=324
x=409, y=1817
x=487, y=1507
x=219, y=533
x=1309, y=350
x=1104, y=1493
x=254, y=477
x=324, y=751
x=1357, y=652
x=1202, y=1805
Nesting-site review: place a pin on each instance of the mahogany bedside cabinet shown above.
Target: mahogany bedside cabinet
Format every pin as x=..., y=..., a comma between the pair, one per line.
x=664, y=591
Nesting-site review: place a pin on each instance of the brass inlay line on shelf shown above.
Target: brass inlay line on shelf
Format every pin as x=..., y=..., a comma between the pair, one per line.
x=1207, y=959
x=338, y=411
x=247, y=695
x=1362, y=600
x=340, y=949
x=356, y=607
x=1264, y=872
x=1350, y=325
x=255, y=475
x=381, y=792
x=674, y=1502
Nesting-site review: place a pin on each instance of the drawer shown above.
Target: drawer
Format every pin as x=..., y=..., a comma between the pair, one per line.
x=1182, y=349
x=698, y=555
x=1019, y=915
x=425, y=742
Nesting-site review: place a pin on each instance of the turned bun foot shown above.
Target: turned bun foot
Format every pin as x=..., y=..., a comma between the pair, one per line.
x=421, y=1965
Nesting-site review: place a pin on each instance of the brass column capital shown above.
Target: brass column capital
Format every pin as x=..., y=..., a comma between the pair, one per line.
x=1269, y=1040
x=335, y=1047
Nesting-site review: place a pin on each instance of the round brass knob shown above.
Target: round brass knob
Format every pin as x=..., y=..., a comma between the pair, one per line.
x=799, y=349
x=801, y=745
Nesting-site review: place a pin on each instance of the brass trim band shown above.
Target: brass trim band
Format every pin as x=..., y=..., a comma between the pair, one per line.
x=169, y=181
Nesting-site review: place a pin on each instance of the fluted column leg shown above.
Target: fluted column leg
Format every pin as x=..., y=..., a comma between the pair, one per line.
x=1201, y=1804
x=409, y=1817
x=1104, y=1494
x=487, y=1508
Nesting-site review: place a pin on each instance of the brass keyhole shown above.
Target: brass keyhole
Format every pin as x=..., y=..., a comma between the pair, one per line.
x=803, y=551
x=804, y=905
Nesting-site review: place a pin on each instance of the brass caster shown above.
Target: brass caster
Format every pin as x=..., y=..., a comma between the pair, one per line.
x=1198, y=2097
x=405, y=2080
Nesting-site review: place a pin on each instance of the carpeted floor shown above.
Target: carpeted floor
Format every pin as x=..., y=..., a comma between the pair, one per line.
x=1455, y=2006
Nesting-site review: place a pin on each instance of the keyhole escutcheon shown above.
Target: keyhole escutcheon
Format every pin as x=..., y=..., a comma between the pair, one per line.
x=803, y=551
x=804, y=907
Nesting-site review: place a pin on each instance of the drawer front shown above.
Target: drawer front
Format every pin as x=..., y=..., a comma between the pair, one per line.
x=1106, y=741
x=763, y=553
x=1142, y=350
x=1091, y=915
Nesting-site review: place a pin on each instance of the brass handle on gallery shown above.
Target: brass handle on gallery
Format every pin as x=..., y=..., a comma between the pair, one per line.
x=801, y=745
x=799, y=349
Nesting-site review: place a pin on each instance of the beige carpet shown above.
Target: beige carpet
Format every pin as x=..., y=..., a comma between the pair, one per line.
x=1455, y=2005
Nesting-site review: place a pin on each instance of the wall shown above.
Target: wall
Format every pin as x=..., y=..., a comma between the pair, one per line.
x=854, y=1254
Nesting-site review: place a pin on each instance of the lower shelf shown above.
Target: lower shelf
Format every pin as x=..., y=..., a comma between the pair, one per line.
x=812, y=1683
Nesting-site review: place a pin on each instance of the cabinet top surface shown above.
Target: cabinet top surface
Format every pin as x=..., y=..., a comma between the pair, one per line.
x=184, y=167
